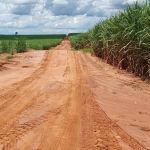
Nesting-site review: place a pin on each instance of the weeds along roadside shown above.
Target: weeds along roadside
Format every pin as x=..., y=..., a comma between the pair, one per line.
x=81, y=42
x=123, y=40
x=11, y=44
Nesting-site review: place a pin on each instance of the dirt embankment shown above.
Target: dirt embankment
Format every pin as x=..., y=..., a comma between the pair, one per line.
x=60, y=99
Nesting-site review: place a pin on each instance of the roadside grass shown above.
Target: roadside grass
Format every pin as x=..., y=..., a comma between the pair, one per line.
x=87, y=50
x=84, y=50
x=10, y=57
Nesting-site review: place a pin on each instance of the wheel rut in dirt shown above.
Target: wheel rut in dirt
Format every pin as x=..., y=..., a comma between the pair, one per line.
x=55, y=108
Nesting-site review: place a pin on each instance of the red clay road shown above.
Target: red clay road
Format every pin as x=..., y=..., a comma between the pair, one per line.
x=67, y=100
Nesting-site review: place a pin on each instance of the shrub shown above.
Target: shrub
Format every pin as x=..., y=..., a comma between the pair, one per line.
x=21, y=45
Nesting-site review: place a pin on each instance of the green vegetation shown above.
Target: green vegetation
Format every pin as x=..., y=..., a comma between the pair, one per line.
x=10, y=57
x=7, y=46
x=80, y=41
x=122, y=40
x=32, y=37
x=20, y=43
x=43, y=44
x=87, y=50
x=72, y=34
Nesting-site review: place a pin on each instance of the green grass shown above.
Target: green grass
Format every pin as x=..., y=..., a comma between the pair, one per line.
x=7, y=46
x=87, y=50
x=80, y=41
x=42, y=44
x=32, y=37
x=84, y=50
x=10, y=57
x=20, y=43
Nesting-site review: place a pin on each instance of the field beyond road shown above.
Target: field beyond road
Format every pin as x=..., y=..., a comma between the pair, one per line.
x=68, y=100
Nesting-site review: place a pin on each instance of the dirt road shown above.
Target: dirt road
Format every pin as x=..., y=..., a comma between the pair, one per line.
x=66, y=100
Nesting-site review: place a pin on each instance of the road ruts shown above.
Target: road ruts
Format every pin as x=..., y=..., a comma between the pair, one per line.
x=55, y=109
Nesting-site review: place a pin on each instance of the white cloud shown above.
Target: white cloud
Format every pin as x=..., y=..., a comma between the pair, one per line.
x=61, y=2
x=55, y=16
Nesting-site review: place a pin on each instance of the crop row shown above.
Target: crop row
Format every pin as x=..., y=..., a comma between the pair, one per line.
x=122, y=40
x=22, y=43
x=32, y=37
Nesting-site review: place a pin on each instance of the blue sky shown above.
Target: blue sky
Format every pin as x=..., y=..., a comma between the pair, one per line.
x=55, y=16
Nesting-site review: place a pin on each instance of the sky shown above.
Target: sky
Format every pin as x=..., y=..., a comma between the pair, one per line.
x=55, y=16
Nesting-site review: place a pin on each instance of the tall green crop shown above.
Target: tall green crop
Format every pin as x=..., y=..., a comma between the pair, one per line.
x=21, y=45
x=8, y=46
x=123, y=40
x=43, y=44
x=80, y=41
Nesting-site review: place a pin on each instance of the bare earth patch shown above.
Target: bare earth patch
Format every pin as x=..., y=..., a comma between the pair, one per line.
x=20, y=67
x=66, y=100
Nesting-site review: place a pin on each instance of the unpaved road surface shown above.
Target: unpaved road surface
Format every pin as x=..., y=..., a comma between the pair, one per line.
x=65, y=100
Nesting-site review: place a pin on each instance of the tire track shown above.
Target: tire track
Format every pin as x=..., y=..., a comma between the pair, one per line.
x=55, y=108
x=9, y=94
x=96, y=129
x=105, y=123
